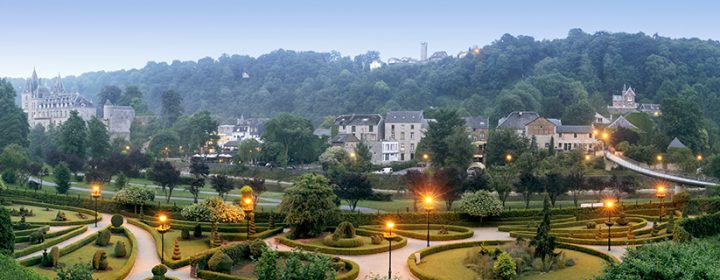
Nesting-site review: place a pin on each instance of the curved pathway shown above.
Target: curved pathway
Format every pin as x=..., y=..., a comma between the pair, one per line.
x=148, y=258
x=91, y=230
x=677, y=179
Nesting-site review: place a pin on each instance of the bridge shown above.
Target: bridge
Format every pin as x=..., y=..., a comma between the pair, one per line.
x=652, y=173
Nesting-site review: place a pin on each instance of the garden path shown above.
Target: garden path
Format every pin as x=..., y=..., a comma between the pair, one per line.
x=147, y=257
x=91, y=230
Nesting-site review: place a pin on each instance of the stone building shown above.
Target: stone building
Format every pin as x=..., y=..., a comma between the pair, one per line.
x=48, y=106
x=405, y=128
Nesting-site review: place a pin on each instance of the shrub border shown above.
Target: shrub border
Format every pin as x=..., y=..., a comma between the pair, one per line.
x=63, y=251
x=33, y=228
x=440, y=248
x=61, y=207
x=405, y=230
x=352, y=274
x=26, y=238
x=49, y=243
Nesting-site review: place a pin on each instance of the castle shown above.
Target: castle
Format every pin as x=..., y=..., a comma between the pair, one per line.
x=52, y=106
x=625, y=103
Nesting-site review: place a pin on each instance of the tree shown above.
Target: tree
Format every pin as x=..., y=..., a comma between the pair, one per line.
x=134, y=195
x=121, y=181
x=163, y=142
x=62, y=178
x=354, y=187
x=575, y=182
x=362, y=162
x=214, y=210
x=98, y=140
x=446, y=130
x=258, y=187
x=481, y=204
x=477, y=181
x=202, y=128
x=199, y=170
x=449, y=184
x=554, y=185
x=165, y=175
x=222, y=184
x=461, y=151
x=417, y=184
x=527, y=185
x=7, y=236
x=172, y=107
x=15, y=160
x=308, y=205
x=39, y=143
x=248, y=150
x=133, y=97
x=13, y=121
x=294, y=135
x=713, y=166
x=501, y=180
x=543, y=241
x=502, y=142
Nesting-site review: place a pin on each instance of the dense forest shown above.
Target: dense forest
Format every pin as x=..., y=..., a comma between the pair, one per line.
x=560, y=78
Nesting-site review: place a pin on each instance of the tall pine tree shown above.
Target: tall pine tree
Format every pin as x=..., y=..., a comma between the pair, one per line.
x=13, y=122
x=544, y=242
x=73, y=134
x=98, y=141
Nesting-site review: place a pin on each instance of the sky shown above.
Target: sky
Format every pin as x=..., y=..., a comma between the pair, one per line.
x=73, y=37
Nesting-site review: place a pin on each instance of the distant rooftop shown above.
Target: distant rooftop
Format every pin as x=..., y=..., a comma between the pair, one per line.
x=358, y=119
x=574, y=129
x=518, y=119
x=477, y=122
x=404, y=117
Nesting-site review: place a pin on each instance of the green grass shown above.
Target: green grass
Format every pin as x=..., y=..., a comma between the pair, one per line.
x=45, y=216
x=449, y=265
x=85, y=254
x=366, y=245
x=187, y=247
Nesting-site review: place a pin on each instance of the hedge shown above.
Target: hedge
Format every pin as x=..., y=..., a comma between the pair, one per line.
x=440, y=248
x=65, y=250
x=222, y=227
x=702, y=226
x=174, y=264
x=454, y=232
x=61, y=207
x=49, y=242
x=636, y=241
x=33, y=228
x=399, y=243
x=351, y=274
x=125, y=270
x=562, y=227
x=26, y=238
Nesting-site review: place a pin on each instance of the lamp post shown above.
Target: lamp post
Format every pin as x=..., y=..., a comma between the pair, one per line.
x=508, y=158
x=162, y=228
x=659, y=159
x=95, y=194
x=248, y=209
x=699, y=157
x=389, y=236
x=661, y=195
x=428, y=209
x=609, y=223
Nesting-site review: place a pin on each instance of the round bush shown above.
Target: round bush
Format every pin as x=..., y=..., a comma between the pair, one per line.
x=103, y=238
x=116, y=220
x=100, y=261
x=344, y=230
x=354, y=242
x=120, y=249
x=185, y=234
x=257, y=247
x=159, y=271
x=220, y=262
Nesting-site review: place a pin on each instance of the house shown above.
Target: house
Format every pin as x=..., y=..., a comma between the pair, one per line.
x=575, y=137
x=365, y=127
x=652, y=109
x=376, y=64
x=478, y=128
x=406, y=128
x=625, y=103
x=241, y=129
x=676, y=144
x=622, y=122
x=517, y=121
x=600, y=120
x=346, y=141
x=543, y=130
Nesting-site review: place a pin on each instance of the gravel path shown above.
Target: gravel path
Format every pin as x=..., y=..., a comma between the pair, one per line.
x=148, y=258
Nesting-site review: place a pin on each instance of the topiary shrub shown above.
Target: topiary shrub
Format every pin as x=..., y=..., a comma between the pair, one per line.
x=55, y=255
x=591, y=225
x=120, y=249
x=7, y=236
x=60, y=217
x=176, y=251
x=443, y=230
x=671, y=223
x=257, y=247
x=197, y=231
x=354, y=242
x=220, y=262
x=344, y=230
x=103, y=238
x=159, y=271
x=337, y=264
x=116, y=222
x=622, y=219
x=376, y=239
x=37, y=237
x=46, y=260
x=100, y=261
x=185, y=234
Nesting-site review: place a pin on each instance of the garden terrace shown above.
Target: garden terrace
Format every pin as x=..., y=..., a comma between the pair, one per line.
x=419, y=231
x=447, y=262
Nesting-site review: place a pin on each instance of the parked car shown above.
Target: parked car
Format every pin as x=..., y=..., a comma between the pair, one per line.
x=386, y=170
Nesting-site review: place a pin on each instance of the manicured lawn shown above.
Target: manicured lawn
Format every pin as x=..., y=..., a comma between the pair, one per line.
x=85, y=254
x=187, y=247
x=449, y=265
x=45, y=216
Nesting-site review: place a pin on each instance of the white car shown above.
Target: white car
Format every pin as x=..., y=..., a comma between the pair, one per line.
x=386, y=170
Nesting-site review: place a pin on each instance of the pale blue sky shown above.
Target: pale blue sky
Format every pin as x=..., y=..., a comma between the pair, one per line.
x=72, y=37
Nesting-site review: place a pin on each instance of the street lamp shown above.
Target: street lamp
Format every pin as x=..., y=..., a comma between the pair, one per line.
x=428, y=209
x=95, y=194
x=127, y=148
x=162, y=228
x=389, y=236
x=659, y=159
x=508, y=158
x=248, y=209
x=609, y=223
x=661, y=195
x=588, y=157
x=353, y=155
x=699, y=157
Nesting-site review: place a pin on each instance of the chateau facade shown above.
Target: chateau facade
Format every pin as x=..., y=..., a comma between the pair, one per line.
x=52, y=106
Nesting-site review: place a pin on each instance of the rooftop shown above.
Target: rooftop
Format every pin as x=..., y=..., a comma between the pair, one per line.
x=404, y=117
x=358, y=119
x=477, y=122
x=518, y=119
x=574, y=129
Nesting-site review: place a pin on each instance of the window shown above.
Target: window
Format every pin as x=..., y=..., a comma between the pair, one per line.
x=371, y=128
x=352, y=128
x=560, y=135
x=344, y=127
x=402, y=147
x=589, y=135
x=402, y=156
x=402, y=135
x=574, y=135
x=412, y=126
x=412, y=147
x=412, y=135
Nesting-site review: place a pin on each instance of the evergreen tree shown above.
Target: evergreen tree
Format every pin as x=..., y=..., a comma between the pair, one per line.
x=544, y=242
x=62, y=178
x=98, y=141
x=73, y=134
x=551, y=147
x=13, y=121
x=172, y=107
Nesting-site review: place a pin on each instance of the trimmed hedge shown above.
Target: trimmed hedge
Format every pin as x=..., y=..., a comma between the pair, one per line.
x=354, y=242
x=222, y=227
x=353, y=270
x=579, y=241
x=26, y=238
x=174, y=264
x=65, y=250
x=562, y=227
x=398, y=243
x=702, y=226
x=454, y=232
x=33, y=228
x=417, y=272
x=49, y=242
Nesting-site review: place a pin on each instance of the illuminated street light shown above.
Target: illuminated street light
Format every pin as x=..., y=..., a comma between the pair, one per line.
x=508, y=157
x=428, y=208
x=699, y=157
x=389, y=236
x=162, y=228
x=588, y=157
x=609, y=223
x=95, y=194
x=248, y=209
x=661, y=193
